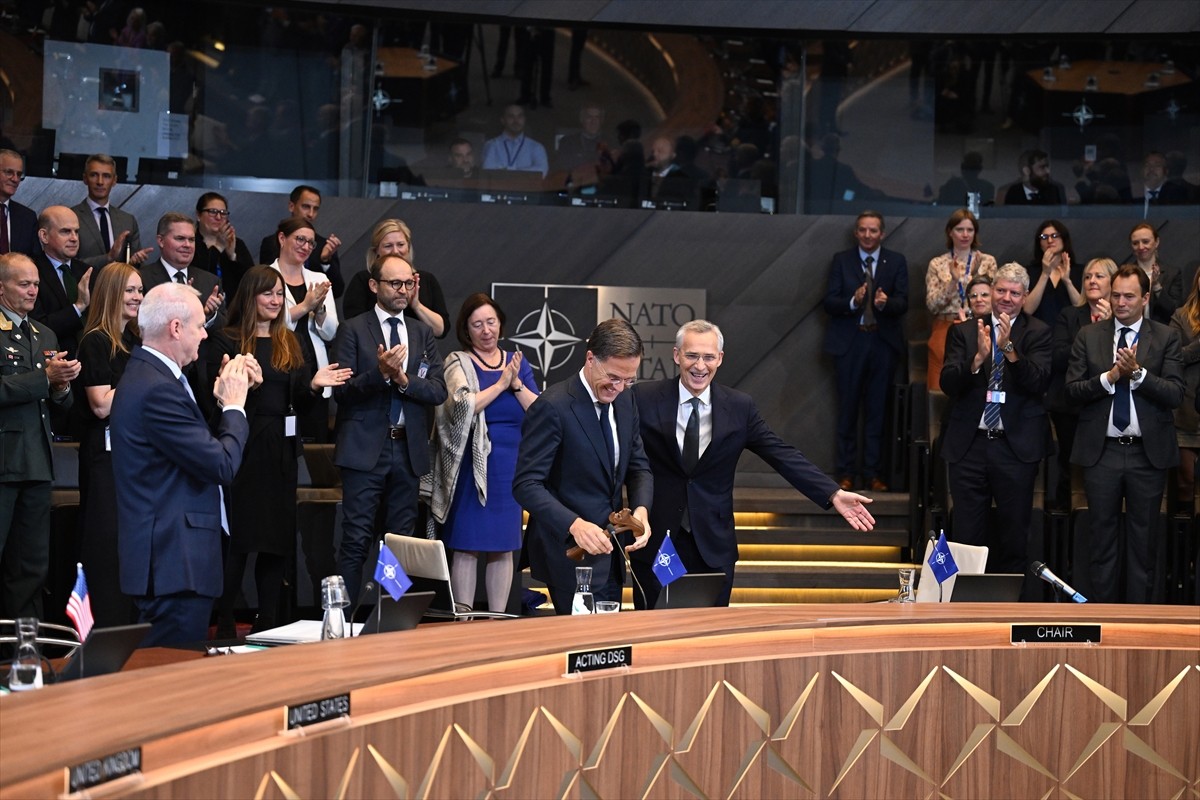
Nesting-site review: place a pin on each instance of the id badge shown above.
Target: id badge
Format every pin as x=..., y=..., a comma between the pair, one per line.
x=423, y=370
x=107, y=439
x=289, y=425
x=995, y=397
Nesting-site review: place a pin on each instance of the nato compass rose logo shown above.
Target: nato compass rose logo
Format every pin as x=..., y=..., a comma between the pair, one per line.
x=1084, y=115
x=664, y=560
x=940, y=558
x=389, y=572
x=546, y=332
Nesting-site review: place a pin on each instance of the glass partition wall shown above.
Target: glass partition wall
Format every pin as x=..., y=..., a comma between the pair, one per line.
x=230, y=95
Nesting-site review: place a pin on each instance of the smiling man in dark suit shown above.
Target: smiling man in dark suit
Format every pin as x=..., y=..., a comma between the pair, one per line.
x=65, y=291
x=866, y=301
x=581, y=445
x=177, y=247
x=382, y=446
x=305, y=201
x=694, y=432
x=1127, y=377
x=995, y=374
x=170, y=469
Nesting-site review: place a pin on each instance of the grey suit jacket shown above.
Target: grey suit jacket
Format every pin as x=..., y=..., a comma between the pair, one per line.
x=91, y=245
x=1160, y=393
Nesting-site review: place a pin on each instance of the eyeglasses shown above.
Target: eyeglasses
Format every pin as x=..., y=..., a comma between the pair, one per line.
x=215, y=212
x=304, y=241
x=398, y=284
x=979, y=296
x=708, y=358
x=13, y=173
x=616, y=381
x=1045, y=237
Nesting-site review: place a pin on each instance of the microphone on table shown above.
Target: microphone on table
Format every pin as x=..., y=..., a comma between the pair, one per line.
x=368, y=587
x=1040, y=570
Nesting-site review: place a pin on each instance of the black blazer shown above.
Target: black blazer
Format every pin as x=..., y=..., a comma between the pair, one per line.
x=708, y=490
x=563, y=473
x=203, y=281
x=1025, y=380
x=845, y=276
x=23, y=230
x=1155, y=400
x=1066, y=327
x=52, y=306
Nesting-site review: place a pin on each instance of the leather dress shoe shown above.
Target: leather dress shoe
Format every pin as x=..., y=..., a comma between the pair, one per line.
x=846, y=483
x=878, y=485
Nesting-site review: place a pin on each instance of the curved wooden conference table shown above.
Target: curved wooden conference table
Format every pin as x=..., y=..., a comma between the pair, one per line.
x=843, y=701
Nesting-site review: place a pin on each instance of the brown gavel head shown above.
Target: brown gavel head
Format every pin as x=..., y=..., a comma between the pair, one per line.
x=618, y=522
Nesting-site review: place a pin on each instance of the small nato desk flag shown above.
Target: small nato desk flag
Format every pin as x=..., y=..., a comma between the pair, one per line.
x=667, y=564
x=390, y=575
x=941, y=561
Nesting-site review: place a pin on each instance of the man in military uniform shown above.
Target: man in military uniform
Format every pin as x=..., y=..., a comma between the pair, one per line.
x=33, y=372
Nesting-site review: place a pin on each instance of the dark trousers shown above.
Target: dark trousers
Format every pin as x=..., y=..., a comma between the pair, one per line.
x=693, y=562
x=175, y=618
x=1123, y=473
x=24, y=547
x=864, y=376
x=393, y=479
x=991, y=471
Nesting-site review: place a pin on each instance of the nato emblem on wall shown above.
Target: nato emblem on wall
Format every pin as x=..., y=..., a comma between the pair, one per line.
x=550, y=323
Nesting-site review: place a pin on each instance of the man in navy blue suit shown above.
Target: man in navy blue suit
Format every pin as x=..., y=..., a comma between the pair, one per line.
x=694, y=432
x=382, y=446
x=866, y=301
x=171, y=469
x=581, y=444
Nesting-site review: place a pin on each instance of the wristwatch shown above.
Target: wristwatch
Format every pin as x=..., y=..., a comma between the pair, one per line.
x=1008, y=347
x=517, y=389
x=1138, y=374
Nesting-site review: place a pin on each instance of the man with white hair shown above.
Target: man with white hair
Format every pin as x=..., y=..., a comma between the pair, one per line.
x=170, y=469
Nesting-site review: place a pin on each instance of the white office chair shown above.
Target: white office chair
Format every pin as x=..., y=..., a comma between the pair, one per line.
x=424, y=560
x=971, y=560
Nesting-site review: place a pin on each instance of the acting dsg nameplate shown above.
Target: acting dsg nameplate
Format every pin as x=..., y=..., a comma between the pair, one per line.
x=600, y=658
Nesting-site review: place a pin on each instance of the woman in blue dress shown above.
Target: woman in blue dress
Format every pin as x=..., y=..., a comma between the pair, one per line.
x=478, y=430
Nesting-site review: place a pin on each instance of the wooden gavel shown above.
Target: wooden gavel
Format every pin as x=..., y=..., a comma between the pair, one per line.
x=618, y=522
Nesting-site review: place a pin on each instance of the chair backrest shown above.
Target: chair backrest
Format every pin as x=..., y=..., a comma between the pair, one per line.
x=971, y=560
x=424, y=561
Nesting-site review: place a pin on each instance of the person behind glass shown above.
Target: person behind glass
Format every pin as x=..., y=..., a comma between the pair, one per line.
x=109, y=337
x=512, y=149
x=310, y=312
x=220, y=250
x=1093, y=306
x=393, y=237
x=1186, y=320
x=946, y=281
x=1054, y=274
x=1035, y=188
x=1166, y=284
x=397, y=381
x=581, y=445
x=1126, y=377
x=478, y=430
x=262, y=501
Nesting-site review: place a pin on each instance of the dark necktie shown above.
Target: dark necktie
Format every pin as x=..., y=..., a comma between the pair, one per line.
x=181, y=278
x=1120, y=411
x=868, y=317
x=606, y=432
x=24, y=328
x=3, y=228
x=691, y=454
x=105, y=236
x=991, y=412
x=397, y=405
x=68, y=280
x=1153, y=196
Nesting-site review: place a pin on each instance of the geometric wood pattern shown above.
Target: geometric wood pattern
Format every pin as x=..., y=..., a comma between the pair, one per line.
x=735, y=703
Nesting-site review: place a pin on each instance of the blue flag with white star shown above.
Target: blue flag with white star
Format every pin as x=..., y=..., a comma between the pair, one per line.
x=390, y=575
x=667, y=564
x=941, y=561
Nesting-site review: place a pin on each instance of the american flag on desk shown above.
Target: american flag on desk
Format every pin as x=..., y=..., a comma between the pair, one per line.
x=79, y=607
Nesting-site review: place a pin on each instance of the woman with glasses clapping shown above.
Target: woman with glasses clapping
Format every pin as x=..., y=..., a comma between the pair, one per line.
x=219, y=250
